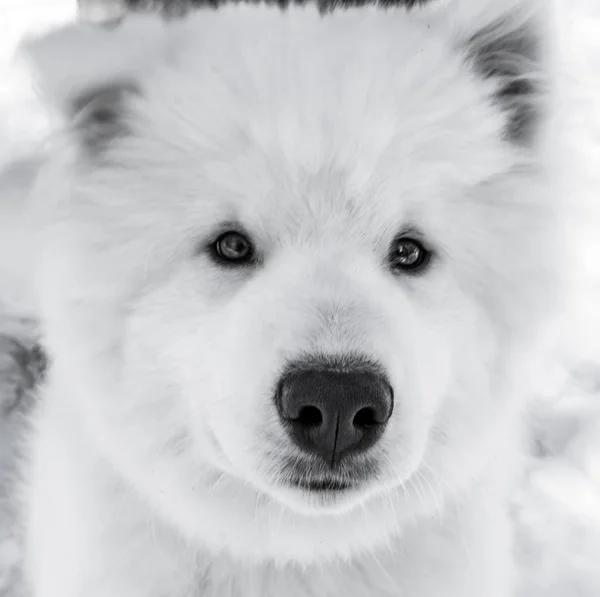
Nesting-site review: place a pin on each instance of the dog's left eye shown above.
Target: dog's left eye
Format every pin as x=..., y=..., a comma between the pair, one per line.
x=408, y=255
x=233, y=248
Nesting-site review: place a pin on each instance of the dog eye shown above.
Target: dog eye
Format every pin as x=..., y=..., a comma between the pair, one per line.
x=233, y=248
x=408, y=255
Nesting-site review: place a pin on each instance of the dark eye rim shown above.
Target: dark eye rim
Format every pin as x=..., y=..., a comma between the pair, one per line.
x=217, y=256
x=417, y=268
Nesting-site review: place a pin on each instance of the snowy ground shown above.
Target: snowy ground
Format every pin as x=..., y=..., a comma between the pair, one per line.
x=557, y=506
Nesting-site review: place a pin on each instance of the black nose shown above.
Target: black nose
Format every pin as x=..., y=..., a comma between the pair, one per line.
x=332, y=412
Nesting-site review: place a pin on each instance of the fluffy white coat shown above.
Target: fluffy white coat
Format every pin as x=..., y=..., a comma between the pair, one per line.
x=155, y=453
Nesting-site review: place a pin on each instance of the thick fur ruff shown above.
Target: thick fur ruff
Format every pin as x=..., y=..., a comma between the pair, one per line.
x=158, y=462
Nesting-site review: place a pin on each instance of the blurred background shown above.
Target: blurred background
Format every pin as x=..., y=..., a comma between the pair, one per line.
x=556, y=508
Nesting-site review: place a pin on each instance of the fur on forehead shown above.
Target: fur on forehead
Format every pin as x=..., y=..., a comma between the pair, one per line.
x=88, y=71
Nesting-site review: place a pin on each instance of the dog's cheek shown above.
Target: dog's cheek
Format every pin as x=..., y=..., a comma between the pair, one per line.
x=237, y=383
x=475, y=405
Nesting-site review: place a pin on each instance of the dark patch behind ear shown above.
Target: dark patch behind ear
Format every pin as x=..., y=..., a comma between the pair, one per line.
x=99, y=115
x=512, y=56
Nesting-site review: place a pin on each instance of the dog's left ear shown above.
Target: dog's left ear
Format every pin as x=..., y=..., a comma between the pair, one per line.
x=507, y=42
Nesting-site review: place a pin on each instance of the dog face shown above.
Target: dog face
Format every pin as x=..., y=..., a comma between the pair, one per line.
x=293, y=260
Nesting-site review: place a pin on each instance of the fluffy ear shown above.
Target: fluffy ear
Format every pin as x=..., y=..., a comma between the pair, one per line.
x=87, y=72
x=507, y=42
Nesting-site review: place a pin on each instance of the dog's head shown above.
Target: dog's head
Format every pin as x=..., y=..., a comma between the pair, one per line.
x=293, y=259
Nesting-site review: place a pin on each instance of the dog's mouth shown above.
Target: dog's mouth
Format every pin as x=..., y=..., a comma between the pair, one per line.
x=312, y=488
x=321, y=485
x=318, y=479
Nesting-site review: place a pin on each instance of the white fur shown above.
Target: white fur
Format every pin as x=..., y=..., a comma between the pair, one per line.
x=156, y=449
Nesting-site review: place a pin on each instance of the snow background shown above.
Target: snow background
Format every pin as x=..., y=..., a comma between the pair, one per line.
x=557, y=505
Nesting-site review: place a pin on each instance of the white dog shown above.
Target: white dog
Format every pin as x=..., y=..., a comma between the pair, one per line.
x=292, y=270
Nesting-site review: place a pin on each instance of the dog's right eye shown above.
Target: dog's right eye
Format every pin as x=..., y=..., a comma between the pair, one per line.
x=233, y=248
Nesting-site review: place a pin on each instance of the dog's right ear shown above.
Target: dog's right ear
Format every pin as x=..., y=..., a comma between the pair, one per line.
x=88, y=72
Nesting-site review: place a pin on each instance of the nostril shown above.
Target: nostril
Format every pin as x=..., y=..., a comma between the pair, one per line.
x=310, y=416
x=365, y=417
